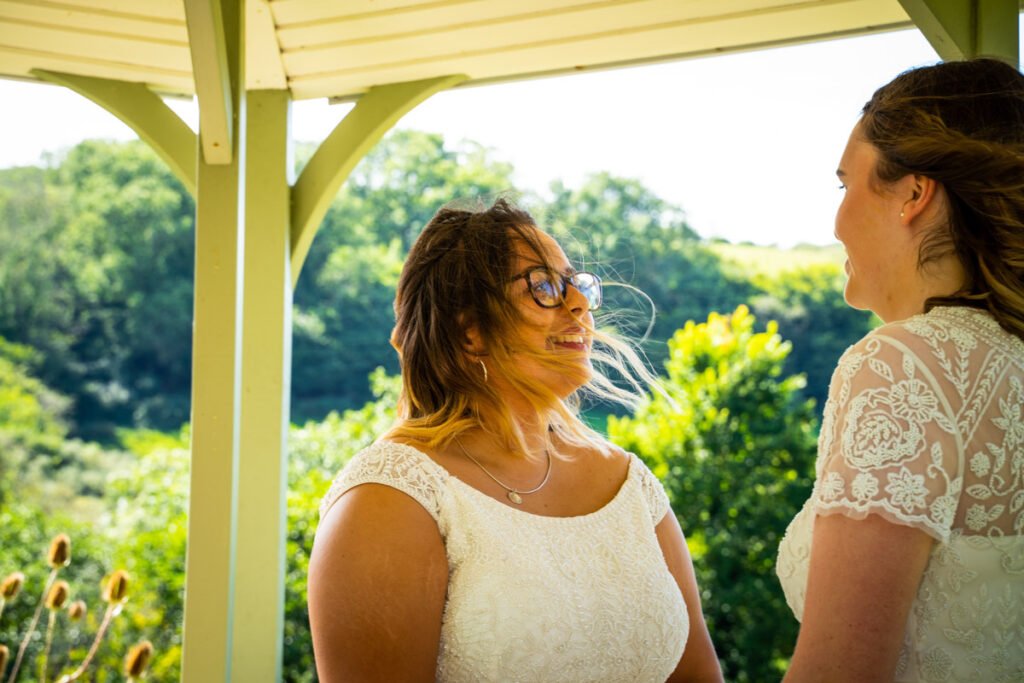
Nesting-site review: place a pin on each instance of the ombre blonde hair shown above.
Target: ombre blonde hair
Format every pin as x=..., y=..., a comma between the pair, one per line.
x=962, y=124
x=458, y=277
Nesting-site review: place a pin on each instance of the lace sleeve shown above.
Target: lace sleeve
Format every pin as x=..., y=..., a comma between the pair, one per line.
x=398, y=466
x=653, y=492
x=889, y=443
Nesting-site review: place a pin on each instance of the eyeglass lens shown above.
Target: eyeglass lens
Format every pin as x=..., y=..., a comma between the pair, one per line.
x=550, y=288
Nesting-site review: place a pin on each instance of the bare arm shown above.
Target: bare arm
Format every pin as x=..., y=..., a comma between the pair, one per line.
x=378, y=575
x=861, y=585
x=699, y=662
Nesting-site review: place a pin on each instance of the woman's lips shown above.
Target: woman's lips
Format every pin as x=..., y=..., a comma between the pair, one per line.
x=572, y=342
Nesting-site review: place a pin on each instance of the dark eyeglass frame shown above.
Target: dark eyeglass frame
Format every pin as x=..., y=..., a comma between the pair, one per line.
x=566, y=280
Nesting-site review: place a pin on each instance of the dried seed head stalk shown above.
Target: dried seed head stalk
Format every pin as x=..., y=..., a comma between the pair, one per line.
x=58, y=557
x=115, y=591
x=58, y=595
x=12, y=583
x=60, y=551
x=137, y=661
x=76, y=610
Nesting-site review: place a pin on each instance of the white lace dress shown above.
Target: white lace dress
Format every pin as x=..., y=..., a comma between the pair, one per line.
x=923, y=427
x=536, y=598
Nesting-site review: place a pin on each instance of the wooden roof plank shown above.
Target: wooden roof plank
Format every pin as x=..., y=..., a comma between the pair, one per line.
x=531, y=45
x=109, y=46
x=144, y=9
x=19, y=62
x=288, y=12
x=656, y=43
x=45, y=15
x=365, y=27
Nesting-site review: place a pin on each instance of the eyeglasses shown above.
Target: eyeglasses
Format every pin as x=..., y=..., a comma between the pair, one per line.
x=549, y=288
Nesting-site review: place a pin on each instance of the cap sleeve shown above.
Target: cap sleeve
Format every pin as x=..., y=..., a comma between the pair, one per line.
x=392, y=464
x=889, y=443
x=652, y=490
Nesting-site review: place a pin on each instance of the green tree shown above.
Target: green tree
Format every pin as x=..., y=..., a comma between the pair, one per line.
x=632, y=236
x=98, y=278
x=734, y=444
x=811, y=313
x=31, y=418
x=343, y=303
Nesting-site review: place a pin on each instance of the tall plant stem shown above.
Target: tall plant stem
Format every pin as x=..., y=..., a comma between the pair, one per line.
x=32, y=627
x=112, y=609
x=49, y=643
x=3, y=603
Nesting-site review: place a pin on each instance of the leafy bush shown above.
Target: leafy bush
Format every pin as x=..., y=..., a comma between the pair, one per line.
x=734, y=444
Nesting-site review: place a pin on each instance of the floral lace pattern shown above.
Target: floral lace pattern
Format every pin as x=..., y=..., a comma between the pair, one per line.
x=534, y=598
x=924, y=427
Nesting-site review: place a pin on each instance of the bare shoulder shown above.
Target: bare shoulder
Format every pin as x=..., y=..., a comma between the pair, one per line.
x=377, y=579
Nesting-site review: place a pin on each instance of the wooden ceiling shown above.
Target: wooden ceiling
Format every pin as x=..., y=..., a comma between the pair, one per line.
x=340, y=48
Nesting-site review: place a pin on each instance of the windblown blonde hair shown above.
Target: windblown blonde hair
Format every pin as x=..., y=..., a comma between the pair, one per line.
x=962, y=124
x=458, y=276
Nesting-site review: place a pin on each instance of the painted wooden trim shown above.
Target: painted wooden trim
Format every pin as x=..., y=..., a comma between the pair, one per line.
x=961, y=29
x=145, y=113
x=263, y=67
x=374, y=114
x=947, y=24
x=998, y=30
x=211, y=554
x=213, y=79
x=258, y=644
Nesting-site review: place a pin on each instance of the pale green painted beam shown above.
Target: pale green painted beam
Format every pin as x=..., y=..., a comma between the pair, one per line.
x=208, y=45
x=374, y=114
x=961, y=29
x=145, y=113
x=258, y=645
x=210, y=562
x=998, y=30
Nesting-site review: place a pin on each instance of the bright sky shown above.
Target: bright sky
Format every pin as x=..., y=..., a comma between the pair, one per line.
x=747, y=144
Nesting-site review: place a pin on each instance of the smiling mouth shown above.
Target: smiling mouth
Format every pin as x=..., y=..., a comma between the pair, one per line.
x=571, y=342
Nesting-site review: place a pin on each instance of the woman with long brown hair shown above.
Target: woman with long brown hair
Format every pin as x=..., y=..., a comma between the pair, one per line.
x=907, y=562
x=491, y=535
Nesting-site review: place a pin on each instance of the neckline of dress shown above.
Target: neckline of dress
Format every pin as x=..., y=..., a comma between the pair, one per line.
x=586, y=516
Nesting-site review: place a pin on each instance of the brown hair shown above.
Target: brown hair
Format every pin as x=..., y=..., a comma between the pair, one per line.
x=457, y=277
x=962, y=124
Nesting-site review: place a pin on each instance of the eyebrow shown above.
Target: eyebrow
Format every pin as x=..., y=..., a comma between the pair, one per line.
x=840, y=172
x=569, y=270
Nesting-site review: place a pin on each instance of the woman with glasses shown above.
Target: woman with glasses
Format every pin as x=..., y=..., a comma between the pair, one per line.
x=491, y=535
x=907, y=562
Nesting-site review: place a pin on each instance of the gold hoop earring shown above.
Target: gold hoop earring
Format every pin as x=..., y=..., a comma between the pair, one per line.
x=484, y=366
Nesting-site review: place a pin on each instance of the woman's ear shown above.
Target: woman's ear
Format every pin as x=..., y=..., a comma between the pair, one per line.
x=472, y=341
x=923, y=199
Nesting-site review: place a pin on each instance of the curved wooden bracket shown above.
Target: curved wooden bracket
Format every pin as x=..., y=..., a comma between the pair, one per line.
x=375, y=113
x=145, y=113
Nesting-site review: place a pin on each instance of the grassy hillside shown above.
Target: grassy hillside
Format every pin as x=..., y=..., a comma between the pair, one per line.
x=758, y=260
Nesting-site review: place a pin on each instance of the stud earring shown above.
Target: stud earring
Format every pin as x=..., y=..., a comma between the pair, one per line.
x=901, y=214
x=484, y=366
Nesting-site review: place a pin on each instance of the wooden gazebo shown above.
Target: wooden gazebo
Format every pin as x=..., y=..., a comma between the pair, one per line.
x=247, y=60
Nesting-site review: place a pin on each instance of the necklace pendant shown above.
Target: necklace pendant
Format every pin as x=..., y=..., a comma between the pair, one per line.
x=515, y=497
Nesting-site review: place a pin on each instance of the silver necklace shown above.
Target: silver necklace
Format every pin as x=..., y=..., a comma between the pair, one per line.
x=515, y=495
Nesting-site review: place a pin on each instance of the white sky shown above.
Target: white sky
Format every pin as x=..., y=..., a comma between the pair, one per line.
x=747, y=144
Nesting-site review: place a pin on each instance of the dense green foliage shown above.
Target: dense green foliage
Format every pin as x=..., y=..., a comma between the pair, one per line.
x=734, y=443
x=137, y=521
x=97, y=271
x=95, y=355
x=814, y=318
